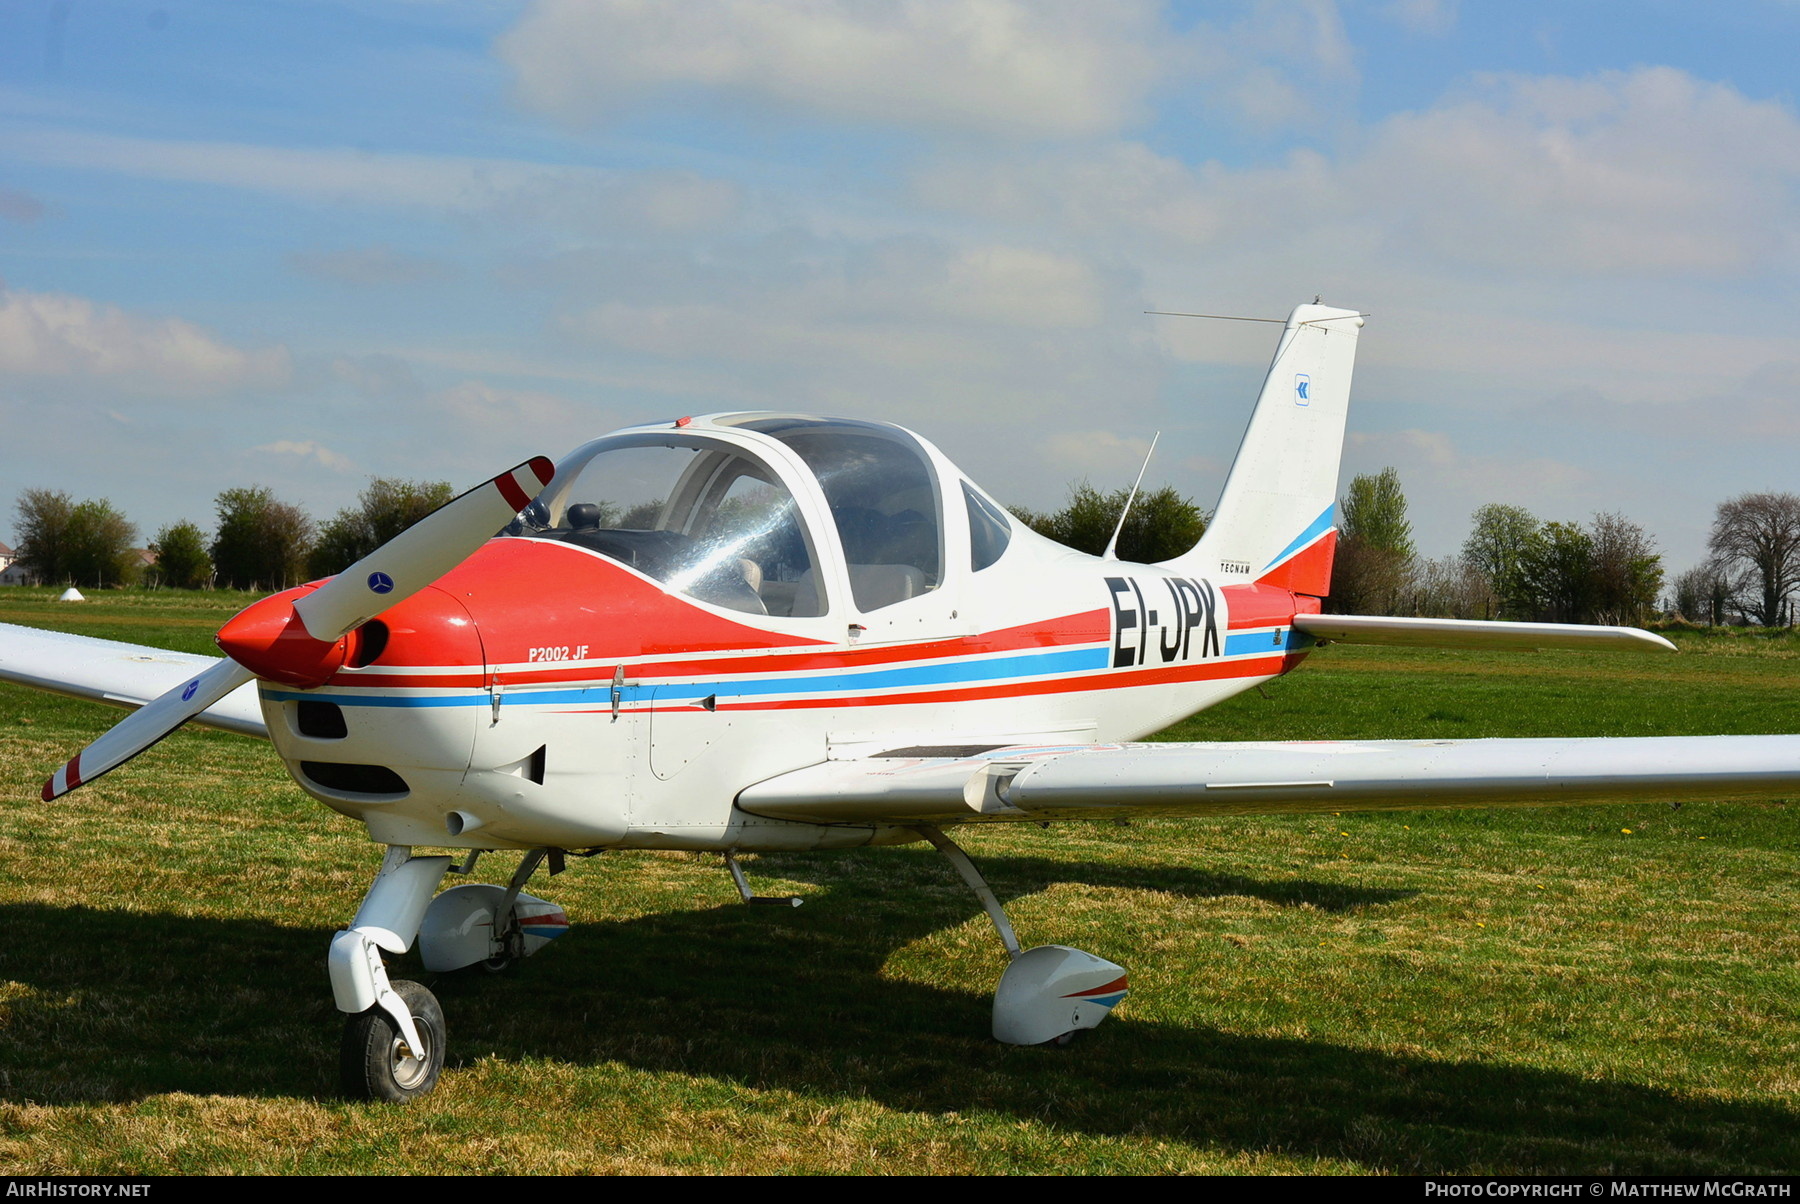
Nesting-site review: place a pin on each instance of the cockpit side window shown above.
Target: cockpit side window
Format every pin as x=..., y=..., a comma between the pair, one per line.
x=707, y=521
x=989, y=530
x=883, y=498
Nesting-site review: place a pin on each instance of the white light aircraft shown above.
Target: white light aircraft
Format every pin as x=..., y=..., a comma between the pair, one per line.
x=753, y=631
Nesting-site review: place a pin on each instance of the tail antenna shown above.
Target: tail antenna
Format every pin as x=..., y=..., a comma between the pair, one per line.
x=1112, y=544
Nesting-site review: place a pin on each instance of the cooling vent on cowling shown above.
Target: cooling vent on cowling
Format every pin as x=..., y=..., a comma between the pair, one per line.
x=354, y=779
x=320, y=720
x=366, y=644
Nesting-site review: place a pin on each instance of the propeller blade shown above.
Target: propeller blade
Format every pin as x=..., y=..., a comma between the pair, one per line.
x=145, y=726
x=422, y=553
x=387, y=576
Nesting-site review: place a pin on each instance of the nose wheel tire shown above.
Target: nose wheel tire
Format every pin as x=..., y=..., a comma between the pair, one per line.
x=376, y=1061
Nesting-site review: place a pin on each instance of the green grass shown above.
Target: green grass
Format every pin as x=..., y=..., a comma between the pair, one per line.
x=1468, y=992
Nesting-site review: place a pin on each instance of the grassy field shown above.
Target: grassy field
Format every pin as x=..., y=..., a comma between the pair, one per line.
x=1578, y=990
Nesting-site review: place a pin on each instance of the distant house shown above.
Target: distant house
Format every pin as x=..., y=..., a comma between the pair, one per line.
x=12, y=571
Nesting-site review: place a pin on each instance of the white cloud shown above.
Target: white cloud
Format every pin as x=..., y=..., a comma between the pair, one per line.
x=1434, y=457
x=372, y=266
x=1102, y=456
x=1760, y=406
x=482, y=407
x=579, y=197
x=902, y=303
x=1048, y=68
x=1639, y=174
x=308, y=450
x=55, y=334
x=1275, y=64
x=981, y=345
x=1645, y=172
x=1121, y=191
x=1446, y=484
x=1423, y=16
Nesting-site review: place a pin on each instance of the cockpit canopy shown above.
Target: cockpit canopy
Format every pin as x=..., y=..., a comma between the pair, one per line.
x=746, y=511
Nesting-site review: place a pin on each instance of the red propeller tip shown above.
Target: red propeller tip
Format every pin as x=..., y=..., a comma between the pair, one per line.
x=69, y=775
x=513, y=489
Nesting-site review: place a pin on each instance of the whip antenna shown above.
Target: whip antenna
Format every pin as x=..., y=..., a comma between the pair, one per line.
x=1113, y=543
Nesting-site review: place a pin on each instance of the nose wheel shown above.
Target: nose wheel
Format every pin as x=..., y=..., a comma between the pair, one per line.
x=378, y=1062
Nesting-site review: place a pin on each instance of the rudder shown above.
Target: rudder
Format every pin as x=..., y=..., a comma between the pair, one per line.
x=1276, y=520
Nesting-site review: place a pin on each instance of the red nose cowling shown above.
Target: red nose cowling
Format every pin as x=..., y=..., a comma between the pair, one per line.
x=269, y=639
x=431, y=628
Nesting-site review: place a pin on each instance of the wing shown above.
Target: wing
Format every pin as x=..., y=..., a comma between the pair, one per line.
x=1477, y=633
x=127, y=675
x=943, y=785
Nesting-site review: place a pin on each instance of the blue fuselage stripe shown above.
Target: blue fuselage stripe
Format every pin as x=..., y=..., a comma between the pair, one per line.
x=849, y=683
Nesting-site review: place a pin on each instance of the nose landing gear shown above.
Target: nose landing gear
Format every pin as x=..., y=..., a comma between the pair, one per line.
x=393, y=1046
x=378, y=1062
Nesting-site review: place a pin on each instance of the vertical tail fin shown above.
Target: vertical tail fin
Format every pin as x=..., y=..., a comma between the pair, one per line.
x=1276, y=518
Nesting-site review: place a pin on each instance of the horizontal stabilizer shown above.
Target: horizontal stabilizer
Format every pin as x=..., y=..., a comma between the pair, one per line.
x=1477, y=633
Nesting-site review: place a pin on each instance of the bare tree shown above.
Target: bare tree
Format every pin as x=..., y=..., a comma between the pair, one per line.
x=1451, y=588
x=1702, y=594
x=1758, y=536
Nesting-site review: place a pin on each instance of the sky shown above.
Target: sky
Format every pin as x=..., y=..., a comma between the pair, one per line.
x=304, y=244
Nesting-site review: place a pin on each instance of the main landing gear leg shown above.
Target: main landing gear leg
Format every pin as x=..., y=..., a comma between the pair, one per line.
x=394, y=1035
x=749, y=896
x=1049, y=993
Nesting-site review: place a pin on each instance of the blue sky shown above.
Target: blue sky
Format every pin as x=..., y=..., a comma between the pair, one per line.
x=303, y=244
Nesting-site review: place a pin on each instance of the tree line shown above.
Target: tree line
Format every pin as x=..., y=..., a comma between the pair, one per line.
x=259, y=542
x=1513, y=565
